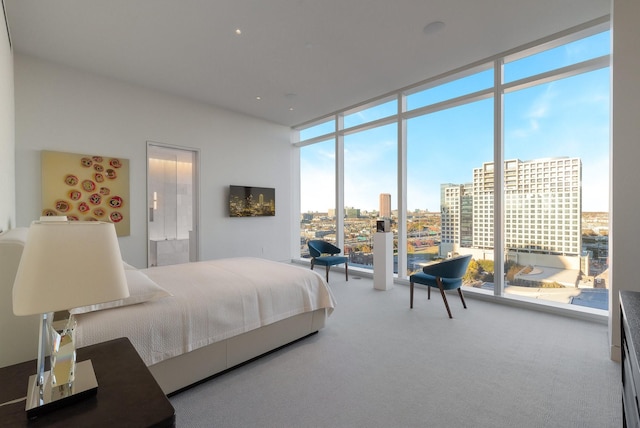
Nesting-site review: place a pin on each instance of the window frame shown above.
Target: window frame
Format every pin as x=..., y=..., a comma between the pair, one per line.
x=496, y=92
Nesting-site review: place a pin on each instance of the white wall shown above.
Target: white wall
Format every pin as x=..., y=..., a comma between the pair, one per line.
x=62, y=109
x=7, y=135
x=625, y=153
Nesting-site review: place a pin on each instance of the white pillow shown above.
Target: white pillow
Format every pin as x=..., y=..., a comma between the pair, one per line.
x=141, y=289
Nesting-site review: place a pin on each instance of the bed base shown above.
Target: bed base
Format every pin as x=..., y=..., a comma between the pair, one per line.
x=213, y=376
x=183, y=371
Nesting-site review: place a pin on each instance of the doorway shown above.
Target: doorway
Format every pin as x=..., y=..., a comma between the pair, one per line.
x=172, y=201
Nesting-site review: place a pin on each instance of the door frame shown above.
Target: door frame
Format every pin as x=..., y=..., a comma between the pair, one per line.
x=195, y=247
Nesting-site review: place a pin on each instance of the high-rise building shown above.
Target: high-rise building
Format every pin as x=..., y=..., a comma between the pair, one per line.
x=456, y=216
x=450, y=213
x=351, y=212
x=542, y=203
x=385, y=205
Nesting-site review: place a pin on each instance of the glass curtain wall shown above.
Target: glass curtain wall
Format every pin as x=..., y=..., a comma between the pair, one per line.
x=443, y=149
x=556, y=152
x=535, y=118
x=370, y=189
x=317, y=194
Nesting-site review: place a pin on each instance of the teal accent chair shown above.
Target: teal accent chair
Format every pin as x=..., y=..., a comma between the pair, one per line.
x=446, y=275
x=324, y=254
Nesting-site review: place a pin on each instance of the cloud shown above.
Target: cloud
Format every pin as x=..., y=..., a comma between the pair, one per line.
x=539, y=109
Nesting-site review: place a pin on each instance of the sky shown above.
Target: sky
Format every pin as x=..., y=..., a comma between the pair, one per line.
x=567, y=117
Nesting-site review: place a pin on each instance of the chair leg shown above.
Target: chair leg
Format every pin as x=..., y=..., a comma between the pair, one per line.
x=327, y=273
x=462, y=298
x=346, y=270
x=428, y=292
x=312, y=264
x=411, y=295
x=444, y=297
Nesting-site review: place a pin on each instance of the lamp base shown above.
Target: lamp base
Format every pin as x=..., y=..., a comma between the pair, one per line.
x=84, y=386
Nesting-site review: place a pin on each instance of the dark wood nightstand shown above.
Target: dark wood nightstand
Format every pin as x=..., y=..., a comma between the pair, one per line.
x=630, y=341
x=128, y=395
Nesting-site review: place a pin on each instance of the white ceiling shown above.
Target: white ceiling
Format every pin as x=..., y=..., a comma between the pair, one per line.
x=314, y=56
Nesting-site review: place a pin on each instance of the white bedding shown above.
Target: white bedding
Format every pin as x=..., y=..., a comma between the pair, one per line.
x=212, y=301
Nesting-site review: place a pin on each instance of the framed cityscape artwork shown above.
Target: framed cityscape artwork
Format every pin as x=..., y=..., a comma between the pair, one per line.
x=86, y=188
x=246, y=201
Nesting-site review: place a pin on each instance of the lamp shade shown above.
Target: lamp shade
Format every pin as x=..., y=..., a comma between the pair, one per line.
x=67, y=264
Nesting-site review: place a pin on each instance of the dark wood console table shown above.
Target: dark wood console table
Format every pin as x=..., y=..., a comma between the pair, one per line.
x=128, y=395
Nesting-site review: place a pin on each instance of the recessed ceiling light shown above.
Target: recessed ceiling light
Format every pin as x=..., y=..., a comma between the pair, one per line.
x=238, y=31
x=258, y=98
x=290, y=108
x=433, y=27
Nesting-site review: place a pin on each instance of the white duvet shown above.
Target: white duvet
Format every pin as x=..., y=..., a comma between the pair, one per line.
x=212, y=301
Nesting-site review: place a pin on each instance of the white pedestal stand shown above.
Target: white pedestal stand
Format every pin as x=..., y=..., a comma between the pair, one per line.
x=383, y=261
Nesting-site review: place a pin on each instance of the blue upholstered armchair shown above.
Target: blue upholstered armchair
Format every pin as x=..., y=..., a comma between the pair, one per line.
x=446, y=275
x=324, y=254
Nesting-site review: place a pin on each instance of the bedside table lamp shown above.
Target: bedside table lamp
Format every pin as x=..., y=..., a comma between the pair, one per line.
x=64, y=265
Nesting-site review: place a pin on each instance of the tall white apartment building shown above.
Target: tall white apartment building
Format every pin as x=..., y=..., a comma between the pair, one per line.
x=543, y=206
x=456, y=206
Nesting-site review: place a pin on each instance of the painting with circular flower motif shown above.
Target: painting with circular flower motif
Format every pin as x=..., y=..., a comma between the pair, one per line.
x=86, y=188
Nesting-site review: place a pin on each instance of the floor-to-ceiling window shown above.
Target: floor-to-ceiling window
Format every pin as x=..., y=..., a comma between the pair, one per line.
x=317, y=194
x=317, y=184
x=443, y=148
x=556, y=151
x=370, y=189
x=445, y=141
x=525, y=133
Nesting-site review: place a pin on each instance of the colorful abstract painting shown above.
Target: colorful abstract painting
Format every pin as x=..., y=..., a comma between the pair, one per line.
x=86, y=188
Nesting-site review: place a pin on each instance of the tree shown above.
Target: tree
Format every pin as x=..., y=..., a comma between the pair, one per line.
x=473, y=272
x=513, y=270
x=486, y=265
x=552, y=285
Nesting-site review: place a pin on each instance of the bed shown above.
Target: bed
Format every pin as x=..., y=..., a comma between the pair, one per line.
x=188, y=322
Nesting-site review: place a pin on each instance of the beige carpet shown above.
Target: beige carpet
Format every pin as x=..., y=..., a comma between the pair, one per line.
x=380, y=364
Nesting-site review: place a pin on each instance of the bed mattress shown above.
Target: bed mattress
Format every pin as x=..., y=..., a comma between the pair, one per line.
x=211, y=301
